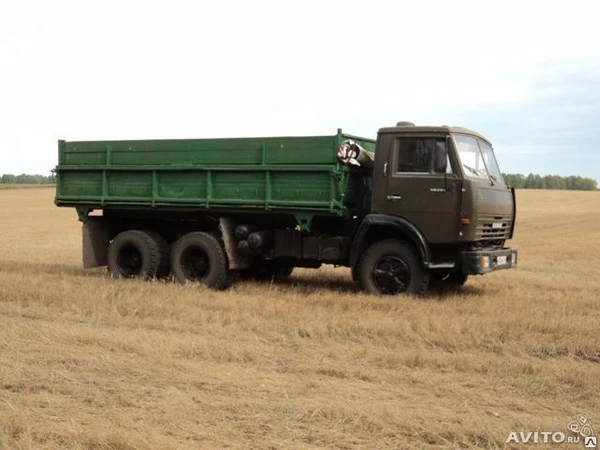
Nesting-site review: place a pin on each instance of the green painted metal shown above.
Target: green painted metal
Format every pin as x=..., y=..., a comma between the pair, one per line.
x=82, y=212
x=299, y=175
x=304, y=220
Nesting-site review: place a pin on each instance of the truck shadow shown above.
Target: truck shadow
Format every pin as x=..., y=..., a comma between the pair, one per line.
x=313, y=285
x=305, y=284
x=443, y=292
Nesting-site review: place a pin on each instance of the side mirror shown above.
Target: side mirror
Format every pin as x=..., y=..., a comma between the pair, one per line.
x=440, y=161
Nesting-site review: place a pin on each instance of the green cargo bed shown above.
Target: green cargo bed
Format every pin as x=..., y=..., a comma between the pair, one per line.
x=285, y=174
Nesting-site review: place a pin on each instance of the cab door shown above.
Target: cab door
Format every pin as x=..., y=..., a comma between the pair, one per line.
x=421, y=186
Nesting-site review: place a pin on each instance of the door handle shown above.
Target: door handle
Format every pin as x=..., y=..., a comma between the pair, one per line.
x=394, y=198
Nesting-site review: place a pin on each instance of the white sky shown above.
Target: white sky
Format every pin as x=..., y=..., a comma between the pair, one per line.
x=525, y=74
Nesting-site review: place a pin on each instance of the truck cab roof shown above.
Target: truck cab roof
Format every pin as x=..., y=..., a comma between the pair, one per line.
x=409, y=127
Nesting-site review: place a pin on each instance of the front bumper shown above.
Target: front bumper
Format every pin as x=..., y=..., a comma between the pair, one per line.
x=478, y=262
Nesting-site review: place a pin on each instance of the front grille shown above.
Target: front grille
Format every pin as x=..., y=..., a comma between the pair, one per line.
x=493, y=228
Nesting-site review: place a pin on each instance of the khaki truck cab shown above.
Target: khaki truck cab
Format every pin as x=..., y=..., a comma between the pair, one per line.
x=440, y=187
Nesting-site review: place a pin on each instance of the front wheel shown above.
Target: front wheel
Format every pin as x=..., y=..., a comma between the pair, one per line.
x=392, y=267
x=200, y=257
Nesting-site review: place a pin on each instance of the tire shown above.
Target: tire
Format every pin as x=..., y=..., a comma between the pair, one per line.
x=134, y=254
x=268, y=271
x=200, y=258
x=451, y=281
x=392, y=267
x=164, y=267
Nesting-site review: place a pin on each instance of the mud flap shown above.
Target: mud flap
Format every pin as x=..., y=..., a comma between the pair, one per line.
x=96, y=237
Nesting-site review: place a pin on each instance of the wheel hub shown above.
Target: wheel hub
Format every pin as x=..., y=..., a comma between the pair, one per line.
x=195, y=263
x=129, y=261
x=391, y=275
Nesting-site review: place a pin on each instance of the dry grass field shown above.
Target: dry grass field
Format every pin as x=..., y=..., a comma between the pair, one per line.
x=87, y=362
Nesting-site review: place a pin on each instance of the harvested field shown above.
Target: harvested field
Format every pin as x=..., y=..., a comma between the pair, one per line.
x=87, y=362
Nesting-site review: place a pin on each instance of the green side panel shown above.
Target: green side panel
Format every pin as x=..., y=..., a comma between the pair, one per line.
x=181, y=184
x=303, y=150
x=294, y=150
x=182, y=152
x=80, y=184
x=301, y=186
x=130, y=184
x=88, y=154
x=241, y=187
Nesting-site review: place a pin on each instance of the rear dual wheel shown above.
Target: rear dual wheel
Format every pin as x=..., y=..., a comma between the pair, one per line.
x=138, y=254
x=199, y=257
x=195, y=257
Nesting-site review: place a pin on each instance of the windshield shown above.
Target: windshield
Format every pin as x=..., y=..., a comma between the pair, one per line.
x=477, y=158
x=490, y=160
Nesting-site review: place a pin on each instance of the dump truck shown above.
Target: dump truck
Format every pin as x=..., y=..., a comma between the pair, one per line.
x=418, y=206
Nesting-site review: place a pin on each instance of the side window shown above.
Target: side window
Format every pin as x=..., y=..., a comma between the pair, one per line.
x=417, y=155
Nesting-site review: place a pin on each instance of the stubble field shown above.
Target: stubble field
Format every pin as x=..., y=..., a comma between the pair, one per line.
x=87, y=362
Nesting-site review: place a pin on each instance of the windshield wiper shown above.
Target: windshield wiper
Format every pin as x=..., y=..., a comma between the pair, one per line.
x=471, y=169
x=492, y=178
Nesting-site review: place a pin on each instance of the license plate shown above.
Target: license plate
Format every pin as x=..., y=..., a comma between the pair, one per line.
x=501, y=260
x=497, y=225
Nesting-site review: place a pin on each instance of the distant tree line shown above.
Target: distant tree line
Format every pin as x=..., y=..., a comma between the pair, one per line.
x=24, y=178
x=535, y=181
